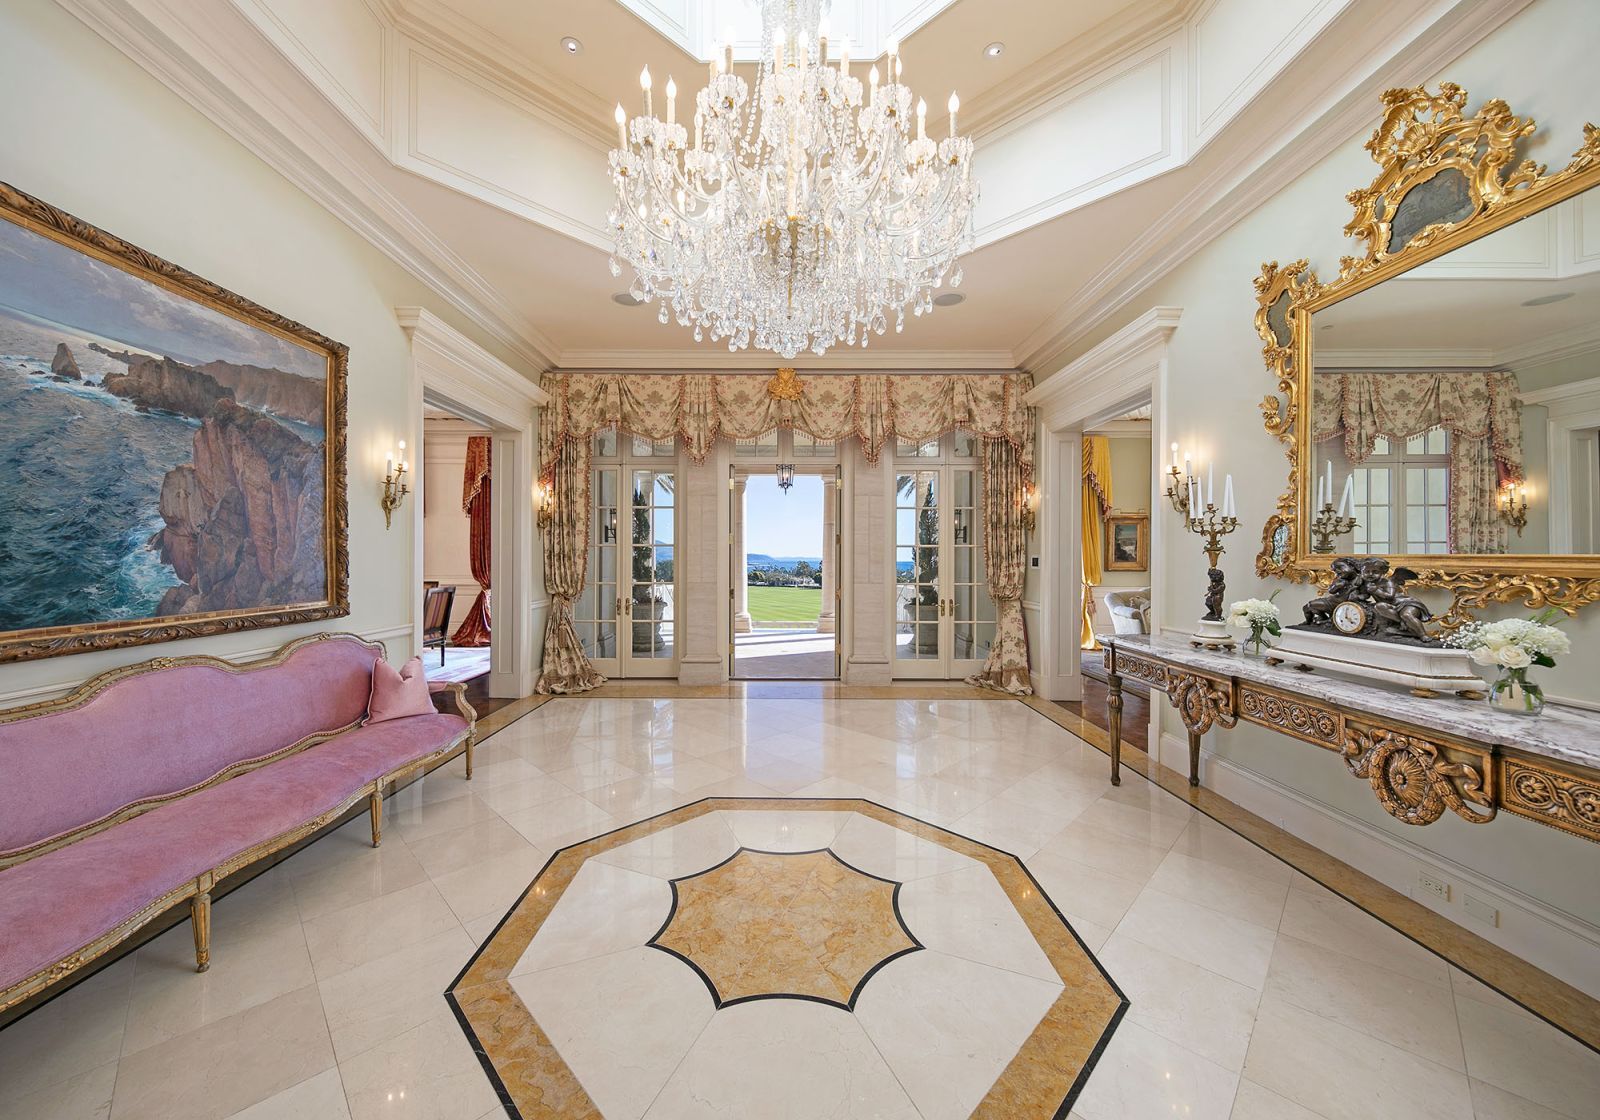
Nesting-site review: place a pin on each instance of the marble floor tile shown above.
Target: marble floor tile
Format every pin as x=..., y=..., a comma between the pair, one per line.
x=656, y=1009
x=1082, y=891
x=1216, y=886
x=1323, y=918
x=1252, y=1102
x=414, y=821
x=445, y=853
x=948, y=1026
x=1489, y=1102
x=427, y=1073
x=1343, y=1074
x=1207, y=840
x=965, y=913
x=361, y=873
x=1106, y=850
x=676, y=852
x=1237, y=949
x=796, y=1061
x=555, y=824
x=492, y=885
x=605, y=909
x=1012, y=828
x=1141, y=1074
x=393, y=993
x=1512, y=1050
x=344, y=939
x=317, y=1098
x=1182, y=1002
x=778, y=831
x=227, y=1065
x=83, y=1096
x=79, y=1030
x=893, y=853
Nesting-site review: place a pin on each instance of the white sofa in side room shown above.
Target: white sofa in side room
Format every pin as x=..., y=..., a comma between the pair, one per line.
x=1129, y=608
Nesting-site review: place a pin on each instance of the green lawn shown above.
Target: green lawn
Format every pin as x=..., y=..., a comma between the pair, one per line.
x=785, y=604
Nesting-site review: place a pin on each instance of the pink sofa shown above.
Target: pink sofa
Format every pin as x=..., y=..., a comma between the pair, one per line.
x=150, y=783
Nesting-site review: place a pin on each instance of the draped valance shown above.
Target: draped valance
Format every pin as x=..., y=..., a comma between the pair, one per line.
x=875, y=408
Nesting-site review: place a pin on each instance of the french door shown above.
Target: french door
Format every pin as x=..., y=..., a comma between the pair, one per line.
x=627, y=617
x=944, y=620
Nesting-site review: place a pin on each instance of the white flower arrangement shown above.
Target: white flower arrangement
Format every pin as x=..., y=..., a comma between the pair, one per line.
x=1259, y=616
x=1512, y=643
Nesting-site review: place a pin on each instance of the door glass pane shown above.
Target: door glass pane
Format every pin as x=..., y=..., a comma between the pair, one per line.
x=971, y=607
x=917, y=519
x=595, y=611
x=651, y=559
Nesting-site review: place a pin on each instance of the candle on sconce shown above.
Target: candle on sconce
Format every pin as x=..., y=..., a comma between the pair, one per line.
x=1227, y=496
x=1344, y=499
x=403, y=466
x=1188, y=467
x=1211, y=483
x=1329, y=476
x=1174, y=456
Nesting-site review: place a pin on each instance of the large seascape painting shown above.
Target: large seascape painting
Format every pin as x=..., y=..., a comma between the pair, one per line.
x=171, y=454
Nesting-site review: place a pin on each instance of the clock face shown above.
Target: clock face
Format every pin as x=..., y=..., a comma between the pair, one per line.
x=1349, y=618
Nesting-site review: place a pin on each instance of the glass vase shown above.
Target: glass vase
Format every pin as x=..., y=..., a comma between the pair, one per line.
x=1257, y=642
x=1513, y=692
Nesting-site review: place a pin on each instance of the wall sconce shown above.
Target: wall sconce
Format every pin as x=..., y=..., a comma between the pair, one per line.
x=544, y=502
x=1514, y=505
x=394, y=486
x=1178, y=489
x=609, y=533
x=785, y=476
x=1030, y=507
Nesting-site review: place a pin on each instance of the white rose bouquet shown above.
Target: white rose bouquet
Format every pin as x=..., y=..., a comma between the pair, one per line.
x=1259, y=616
x=1513, y=645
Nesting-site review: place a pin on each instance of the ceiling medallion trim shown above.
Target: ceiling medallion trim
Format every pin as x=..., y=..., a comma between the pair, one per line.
x=1423, y=135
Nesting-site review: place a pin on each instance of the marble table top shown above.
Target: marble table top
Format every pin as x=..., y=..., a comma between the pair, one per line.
x=1561, y=733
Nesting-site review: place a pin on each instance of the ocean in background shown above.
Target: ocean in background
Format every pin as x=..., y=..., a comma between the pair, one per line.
x=80, y=485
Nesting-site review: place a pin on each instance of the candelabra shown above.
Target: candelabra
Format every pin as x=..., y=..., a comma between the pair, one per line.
x=394, y=487
x=1327, y=527
x=1178, y=491
x=1514, y=506
x=1211, y=527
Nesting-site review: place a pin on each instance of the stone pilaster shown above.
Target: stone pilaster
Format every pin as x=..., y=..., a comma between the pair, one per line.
x=741, y=563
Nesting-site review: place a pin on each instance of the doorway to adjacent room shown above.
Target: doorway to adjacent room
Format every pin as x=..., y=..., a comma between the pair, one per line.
x=784, y=565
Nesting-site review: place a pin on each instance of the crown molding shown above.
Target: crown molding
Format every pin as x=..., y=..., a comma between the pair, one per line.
x=1573, y=396
x=1095, y=381
x=441, y=350
x=1250, y=171
x=314, y=162
x=847, y=359
x=1557, y=347
x=1573, y=343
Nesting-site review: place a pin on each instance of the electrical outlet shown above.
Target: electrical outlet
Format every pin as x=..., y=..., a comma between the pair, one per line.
x=1430, y=883
x=1481, y=910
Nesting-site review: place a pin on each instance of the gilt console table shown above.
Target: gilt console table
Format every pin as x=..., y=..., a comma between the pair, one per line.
x=1421, y=756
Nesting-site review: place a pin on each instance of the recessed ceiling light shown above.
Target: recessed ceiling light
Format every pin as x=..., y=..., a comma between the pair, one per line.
x=1554, y=297
x=949, y=299
x=571, y=45
x=994, y=50
x=626, y=299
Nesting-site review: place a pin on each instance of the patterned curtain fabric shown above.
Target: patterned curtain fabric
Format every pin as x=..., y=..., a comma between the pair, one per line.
x=474, y=629
x=1005, y=554
x=566, y=557
x=874, y=408
x=1481, y=411
x=1096, y=504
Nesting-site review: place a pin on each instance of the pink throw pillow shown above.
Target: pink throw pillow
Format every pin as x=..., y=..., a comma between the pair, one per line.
x=397, y=693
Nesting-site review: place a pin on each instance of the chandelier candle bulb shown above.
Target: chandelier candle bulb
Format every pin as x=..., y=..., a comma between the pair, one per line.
x=672, y=100
x=622, y=127
x=922, y=119
x=955, y=103
x=644, y=84
x=844, y=56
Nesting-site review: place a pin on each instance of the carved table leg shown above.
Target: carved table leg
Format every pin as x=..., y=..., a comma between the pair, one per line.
x=1194, y=758
x=1114, y=707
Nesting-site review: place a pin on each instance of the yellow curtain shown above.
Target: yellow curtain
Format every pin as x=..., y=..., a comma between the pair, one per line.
x=1096, y=504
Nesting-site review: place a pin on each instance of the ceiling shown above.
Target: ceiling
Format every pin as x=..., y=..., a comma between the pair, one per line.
x=1114, y=137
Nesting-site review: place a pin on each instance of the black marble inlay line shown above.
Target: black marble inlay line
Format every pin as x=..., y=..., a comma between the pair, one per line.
x=716, y=997
x=844, y=802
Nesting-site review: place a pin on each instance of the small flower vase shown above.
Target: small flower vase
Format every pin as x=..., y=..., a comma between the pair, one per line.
x=1257, y=641
x=1513, y=692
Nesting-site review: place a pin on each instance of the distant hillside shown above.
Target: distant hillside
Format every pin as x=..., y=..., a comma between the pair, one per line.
x=781, y=563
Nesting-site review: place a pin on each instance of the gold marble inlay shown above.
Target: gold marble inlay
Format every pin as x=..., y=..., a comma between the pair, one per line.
x=768, y=925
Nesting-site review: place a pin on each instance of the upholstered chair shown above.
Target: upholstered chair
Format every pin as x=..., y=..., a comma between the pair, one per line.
x=1129, y=608
x=437, y=604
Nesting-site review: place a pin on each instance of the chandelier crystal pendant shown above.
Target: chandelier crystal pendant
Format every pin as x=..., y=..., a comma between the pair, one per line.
x=798, y=215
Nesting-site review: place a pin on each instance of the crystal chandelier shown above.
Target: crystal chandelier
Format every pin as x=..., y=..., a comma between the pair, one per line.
x=800, y=215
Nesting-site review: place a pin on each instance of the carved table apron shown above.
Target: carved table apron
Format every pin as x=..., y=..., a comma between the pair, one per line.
x=1421, y=757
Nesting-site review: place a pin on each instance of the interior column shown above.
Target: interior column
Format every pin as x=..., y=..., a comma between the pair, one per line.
x=741, y=577
x=827, y=619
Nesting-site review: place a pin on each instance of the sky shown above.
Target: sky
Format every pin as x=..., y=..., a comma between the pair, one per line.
x=780, y=524
x=44, y=278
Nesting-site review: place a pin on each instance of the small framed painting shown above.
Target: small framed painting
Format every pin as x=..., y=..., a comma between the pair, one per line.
x=172, y=456
x=1128, y=542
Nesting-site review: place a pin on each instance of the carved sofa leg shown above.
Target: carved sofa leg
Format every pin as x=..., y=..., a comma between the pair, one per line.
x=200, y=918
x=375, y=808
x=471, y=739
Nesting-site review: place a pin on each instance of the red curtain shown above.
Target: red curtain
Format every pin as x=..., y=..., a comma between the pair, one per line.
x=475, y=488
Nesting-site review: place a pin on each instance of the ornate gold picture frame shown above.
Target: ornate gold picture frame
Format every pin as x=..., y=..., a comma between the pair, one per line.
x=1471, y=185
x=172, y=463
x=1127, y=542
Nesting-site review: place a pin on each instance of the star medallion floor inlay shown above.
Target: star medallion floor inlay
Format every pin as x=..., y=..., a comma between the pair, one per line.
x=775, y=925
x=915, y=971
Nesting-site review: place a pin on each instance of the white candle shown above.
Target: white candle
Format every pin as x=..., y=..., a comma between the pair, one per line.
x=1329, y=476
x=1188, y=467
x=844, y=55
x=1344, y=499
x=872, y=86
x=1194, y=497
x=645, y=84
x=1211, y=483
x=672, y=100
x=388, y=466
x=922, y=119
x=622, y=128
x=1227, y=496
x=955, y=103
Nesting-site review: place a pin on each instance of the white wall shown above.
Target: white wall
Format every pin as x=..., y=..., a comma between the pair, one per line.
x=446, y=529
x=85, y=129
x=1544, y=69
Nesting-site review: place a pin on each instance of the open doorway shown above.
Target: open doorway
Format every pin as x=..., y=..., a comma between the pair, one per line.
x=785, y=616
x=457, y=528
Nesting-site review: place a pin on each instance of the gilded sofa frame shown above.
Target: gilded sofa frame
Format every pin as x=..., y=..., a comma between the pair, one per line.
x=198, y=890
x=1422, y=135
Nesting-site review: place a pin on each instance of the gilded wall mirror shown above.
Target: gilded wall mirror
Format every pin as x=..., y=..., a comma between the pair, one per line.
x=1439, y=401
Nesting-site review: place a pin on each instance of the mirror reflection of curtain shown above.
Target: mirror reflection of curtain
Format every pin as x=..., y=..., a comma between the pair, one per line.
x=475, y=500
x=1097, y=503
x=1481, y=411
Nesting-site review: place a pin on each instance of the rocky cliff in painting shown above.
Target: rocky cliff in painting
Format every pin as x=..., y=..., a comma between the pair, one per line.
x=64, y=365
x=161, y=383
x=273, y=390
x=243, y=519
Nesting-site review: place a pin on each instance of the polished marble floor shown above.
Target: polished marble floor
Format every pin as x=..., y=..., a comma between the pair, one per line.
x=1253, y=992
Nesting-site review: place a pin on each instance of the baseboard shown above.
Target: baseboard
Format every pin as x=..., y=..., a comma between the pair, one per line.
x=36, y=693
x=868, y=672
x=1563, y=945
x=710, y=671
